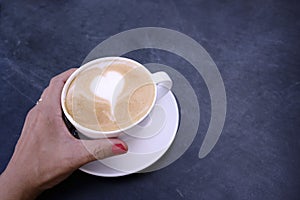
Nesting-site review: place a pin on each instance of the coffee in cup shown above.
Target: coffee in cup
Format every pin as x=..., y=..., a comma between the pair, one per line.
x=110, y=95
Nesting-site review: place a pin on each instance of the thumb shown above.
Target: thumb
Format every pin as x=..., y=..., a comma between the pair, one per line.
x=102, y=148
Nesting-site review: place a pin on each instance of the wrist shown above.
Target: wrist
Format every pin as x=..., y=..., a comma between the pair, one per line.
x=14, y=186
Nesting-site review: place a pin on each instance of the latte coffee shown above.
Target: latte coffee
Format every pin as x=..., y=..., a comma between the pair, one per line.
x=110, y=95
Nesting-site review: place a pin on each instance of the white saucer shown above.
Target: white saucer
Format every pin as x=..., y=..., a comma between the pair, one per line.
x=146, y=146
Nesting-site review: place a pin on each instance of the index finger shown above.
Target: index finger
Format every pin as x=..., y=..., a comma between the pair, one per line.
x=51, y=95
x=64, y=75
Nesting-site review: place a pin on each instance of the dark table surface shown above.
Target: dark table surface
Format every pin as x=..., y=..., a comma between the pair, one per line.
x=255, y=45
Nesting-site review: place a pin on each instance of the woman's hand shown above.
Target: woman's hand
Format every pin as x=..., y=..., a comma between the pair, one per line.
x=46, y=152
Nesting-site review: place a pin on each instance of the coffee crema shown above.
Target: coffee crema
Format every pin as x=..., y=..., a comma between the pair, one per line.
x=110, y=95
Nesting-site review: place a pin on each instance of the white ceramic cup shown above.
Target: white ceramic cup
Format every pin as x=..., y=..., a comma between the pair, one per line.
x=161, y=81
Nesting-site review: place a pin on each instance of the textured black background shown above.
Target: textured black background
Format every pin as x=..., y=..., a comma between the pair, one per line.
x=256, y=47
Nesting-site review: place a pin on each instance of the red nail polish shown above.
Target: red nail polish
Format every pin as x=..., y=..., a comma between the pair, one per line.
x=119, y=149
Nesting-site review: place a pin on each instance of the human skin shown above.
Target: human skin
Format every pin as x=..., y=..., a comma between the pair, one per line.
x=46, y=153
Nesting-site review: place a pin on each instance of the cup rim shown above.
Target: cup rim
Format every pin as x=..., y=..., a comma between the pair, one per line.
x=94, y=133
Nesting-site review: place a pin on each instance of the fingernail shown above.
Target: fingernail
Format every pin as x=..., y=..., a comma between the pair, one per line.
x=119, y=149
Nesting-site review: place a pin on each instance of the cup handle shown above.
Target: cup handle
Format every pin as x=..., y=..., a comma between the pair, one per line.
x=163, y=83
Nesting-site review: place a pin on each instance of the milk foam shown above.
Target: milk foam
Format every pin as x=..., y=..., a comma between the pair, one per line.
x=110, y=97
x=108, y=85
